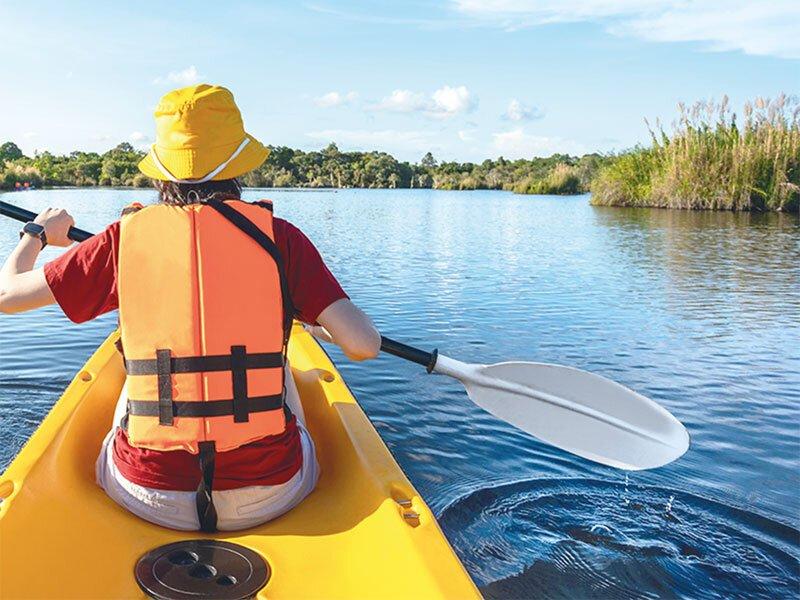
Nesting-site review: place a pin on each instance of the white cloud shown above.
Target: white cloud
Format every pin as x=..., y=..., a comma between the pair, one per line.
x=30, y=134
x=402, y=101
x=466, y=135
x=756, y=28
x=519, y=144
x=187, y=76
x=443, y=103
x=101, y=138
x=452, y=100
x=517, y=111
x=335, y=99
x=140, y=140
x=759, y=28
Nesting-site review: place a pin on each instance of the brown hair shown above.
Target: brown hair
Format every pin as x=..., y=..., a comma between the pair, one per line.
x=170, y=192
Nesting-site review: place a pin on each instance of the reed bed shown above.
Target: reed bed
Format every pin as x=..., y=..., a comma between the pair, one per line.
x=711, y=161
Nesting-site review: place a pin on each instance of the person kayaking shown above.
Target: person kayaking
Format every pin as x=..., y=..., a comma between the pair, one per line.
x=208, y=433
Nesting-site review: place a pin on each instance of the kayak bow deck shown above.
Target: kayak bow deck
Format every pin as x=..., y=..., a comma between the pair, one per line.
x=363, y=533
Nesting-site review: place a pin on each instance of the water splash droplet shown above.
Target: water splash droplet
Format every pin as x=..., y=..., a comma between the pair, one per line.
x=625, y=500
x=599, y=528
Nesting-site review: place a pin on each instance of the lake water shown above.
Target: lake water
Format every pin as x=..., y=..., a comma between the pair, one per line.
x=699, y=311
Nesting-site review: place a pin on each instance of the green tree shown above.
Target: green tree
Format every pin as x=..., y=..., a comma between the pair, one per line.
x=428, y=162
x=10, y=151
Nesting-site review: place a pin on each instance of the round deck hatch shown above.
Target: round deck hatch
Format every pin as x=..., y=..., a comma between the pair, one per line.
x=200, y=569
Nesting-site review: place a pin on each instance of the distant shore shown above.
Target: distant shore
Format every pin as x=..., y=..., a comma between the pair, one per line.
x=708, y=162
x=328, y=168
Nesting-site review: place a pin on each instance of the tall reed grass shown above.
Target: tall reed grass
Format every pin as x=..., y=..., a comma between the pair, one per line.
x=711, y=161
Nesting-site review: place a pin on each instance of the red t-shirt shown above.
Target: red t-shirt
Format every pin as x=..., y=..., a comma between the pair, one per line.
x=84, y=283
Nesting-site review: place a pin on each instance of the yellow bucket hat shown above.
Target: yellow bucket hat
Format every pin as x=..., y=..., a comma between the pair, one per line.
x=200, y=137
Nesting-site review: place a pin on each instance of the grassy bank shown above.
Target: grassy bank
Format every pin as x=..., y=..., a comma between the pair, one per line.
x=712, y=160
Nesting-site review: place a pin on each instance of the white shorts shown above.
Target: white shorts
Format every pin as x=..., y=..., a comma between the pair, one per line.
x=236, y=509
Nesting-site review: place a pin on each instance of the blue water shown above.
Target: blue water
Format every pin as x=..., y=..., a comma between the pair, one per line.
x=700, y=311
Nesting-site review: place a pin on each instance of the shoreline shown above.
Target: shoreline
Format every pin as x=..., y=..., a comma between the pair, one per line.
x=302, y=189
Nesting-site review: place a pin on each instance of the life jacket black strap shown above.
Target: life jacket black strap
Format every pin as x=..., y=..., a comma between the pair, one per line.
x=241, y=408
x=131, y=208
x=164, y=387
x=204, y=364
x=265, y=204
x=204, y=408
x=206, y=512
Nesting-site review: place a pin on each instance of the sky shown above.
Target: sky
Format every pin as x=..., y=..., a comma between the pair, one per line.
x=464, y=79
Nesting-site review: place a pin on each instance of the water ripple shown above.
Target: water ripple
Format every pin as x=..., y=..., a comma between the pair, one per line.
x=588, y=538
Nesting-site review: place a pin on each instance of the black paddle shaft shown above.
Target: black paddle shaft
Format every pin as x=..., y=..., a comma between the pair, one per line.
x=426, y=359
x=20, y=214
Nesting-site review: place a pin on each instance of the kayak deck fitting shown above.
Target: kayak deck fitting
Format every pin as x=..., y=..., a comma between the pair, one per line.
x=363, y=533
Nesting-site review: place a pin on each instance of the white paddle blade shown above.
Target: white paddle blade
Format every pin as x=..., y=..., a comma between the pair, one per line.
x=579, y=412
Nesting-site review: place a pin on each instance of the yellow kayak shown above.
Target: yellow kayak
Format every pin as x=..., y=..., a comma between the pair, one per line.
x=363, y=533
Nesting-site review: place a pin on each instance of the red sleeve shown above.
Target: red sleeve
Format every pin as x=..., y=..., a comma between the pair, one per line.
x=311, y=284
x=83, y=280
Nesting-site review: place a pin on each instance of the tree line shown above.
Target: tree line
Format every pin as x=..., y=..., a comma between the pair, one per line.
x=328, y=168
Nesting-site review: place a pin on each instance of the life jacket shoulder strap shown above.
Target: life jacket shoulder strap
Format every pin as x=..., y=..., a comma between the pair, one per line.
x=265, y=204
x=131, y=208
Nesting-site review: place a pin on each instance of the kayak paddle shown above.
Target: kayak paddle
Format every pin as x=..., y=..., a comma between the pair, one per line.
x=580, y=412
x=574, y=410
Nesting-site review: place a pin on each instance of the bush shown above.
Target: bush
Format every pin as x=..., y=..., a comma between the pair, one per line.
x=562, y=180
x=140, y=180
x=12, y=174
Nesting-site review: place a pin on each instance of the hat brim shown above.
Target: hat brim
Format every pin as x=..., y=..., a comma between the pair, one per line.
x=191, y=163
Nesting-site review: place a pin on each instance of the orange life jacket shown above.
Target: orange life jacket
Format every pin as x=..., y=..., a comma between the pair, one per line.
x=205, y=317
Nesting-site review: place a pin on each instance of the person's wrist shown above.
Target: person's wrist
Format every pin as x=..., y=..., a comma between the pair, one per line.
x=29, y=241
x=34, y=231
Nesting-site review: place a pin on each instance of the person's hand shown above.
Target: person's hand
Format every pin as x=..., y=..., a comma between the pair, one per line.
x=56, y=223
